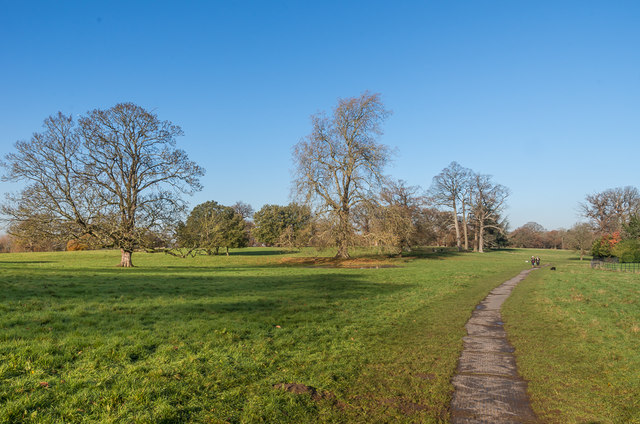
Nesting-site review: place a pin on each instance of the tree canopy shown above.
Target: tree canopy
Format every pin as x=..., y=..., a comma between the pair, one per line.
x=115, y=175
x=277, y=225
x=339, y=164
x=211, y=226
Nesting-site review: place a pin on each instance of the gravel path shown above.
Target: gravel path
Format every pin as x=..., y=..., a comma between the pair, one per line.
x=488, y=388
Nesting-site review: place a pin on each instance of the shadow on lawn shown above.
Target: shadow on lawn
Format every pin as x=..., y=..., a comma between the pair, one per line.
x=432, y=253
x=86, y=286
x=24, y=262
x=259, y=252
x=240, y=302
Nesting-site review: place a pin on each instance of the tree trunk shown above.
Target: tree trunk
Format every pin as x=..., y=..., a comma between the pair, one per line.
x=481, y=238
x=343, y=235
x=457, y=226
x=464, y=227
x=343, y=251
x=125, y=261
x=227, y=251
x=475, y=240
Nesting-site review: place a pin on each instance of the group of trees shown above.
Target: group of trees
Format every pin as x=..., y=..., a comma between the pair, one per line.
x=614, y=215
x=211, y=226
x=113, y=178
x=475, y=203
x=339, y=170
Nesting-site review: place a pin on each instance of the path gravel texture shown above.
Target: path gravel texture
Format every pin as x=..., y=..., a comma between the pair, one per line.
x=488, y=388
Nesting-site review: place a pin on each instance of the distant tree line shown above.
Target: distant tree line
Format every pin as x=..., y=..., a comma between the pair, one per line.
x=611, y=229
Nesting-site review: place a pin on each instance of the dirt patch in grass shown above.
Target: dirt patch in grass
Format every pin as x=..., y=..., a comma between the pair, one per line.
x=301, y=389
x=403, y=405
x=356, y=263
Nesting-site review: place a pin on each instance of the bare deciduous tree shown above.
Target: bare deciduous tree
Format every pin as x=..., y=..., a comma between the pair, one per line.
x=580, y=238
x=403, y=203
x=611, y=209
x=340, y=162
x=243, y=209
x=116, y=175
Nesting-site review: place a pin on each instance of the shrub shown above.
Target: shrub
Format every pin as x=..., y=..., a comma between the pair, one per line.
x=627, y=250
x=603, y=247
x=75, y=245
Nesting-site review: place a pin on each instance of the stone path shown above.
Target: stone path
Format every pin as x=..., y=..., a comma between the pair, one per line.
x=488, y=388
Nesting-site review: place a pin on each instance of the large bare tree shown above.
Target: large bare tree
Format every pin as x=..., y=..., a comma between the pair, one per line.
x=339, y=164
x=609, y=210
x=115, y=175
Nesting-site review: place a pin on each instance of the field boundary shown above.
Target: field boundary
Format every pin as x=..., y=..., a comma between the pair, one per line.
x=615, y=266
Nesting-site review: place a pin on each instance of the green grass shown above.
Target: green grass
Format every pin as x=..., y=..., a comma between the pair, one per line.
x=577, y=336
x=205, y=339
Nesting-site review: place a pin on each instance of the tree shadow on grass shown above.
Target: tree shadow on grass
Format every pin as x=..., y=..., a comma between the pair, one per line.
x=260, y=252
x=240, y=304
x=24, y=262
x=432, y=253
x=102, y=289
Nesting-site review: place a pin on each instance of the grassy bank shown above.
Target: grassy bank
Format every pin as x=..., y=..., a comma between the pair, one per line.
x=576, y=332
x=206, y=339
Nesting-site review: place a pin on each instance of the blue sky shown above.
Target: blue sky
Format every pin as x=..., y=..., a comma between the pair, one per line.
x=545, y=96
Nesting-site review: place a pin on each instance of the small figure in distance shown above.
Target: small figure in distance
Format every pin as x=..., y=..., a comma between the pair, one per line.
x=537, y=260
x=533, y=261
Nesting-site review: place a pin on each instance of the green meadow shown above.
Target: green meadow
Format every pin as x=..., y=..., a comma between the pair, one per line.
x=211, y=339
x=577, y=337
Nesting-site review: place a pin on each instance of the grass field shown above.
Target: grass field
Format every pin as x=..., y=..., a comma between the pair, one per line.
x=577, y=337
x=206, y=339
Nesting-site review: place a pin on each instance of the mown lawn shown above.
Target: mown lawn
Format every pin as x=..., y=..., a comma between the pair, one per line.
x=206, y=339
x=577, y=337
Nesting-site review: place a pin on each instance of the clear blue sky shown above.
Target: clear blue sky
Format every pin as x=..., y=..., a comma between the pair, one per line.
x=545, y=96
